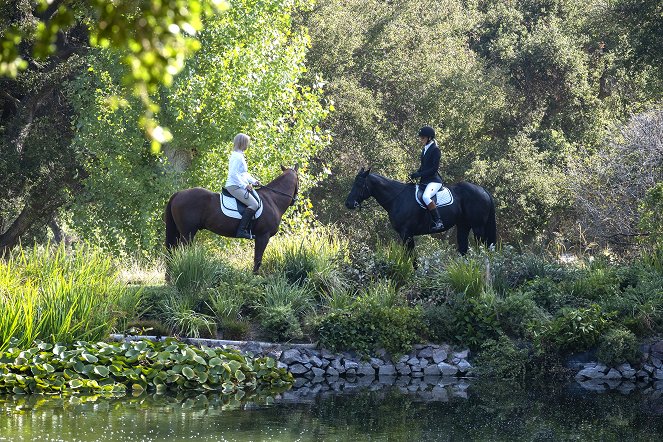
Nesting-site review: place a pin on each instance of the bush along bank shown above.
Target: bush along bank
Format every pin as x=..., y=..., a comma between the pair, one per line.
x=135, y=366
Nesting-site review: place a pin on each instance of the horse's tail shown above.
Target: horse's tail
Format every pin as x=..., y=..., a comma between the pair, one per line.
x=172, y=232
x=490, y=228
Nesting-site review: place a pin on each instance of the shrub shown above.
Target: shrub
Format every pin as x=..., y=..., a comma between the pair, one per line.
x=430, y=287
x=617, y=346
x=511, y=269
x=312, y=256
x=180, y=315
x=550, y=295
x=383, y=293
x=192, y=268
x=338, y=299
x=595, y=284
x=392, y=261
x=465, y=276
x=281, y=323
x=574, y=330
x=518, y=313
x=281, y=307
x=467, y=321
x=367, y=327
x=503, y=359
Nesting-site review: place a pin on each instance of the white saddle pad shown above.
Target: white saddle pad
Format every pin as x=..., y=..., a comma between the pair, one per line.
x=443, y=197
x=229, y=207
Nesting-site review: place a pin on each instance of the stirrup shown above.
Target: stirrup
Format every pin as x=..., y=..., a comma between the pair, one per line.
x=244, y=234
x=437, y=226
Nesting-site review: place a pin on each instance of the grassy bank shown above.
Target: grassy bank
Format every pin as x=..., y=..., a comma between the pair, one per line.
x=521, y=311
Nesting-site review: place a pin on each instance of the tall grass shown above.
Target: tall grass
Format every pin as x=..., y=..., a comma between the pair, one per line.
x=465, y=275
x=51, y=294
x=192, y=268
x=393, y=261
x=311, y=257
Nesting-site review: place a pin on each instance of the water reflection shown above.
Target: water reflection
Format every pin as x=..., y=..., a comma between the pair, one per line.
x=386, y=409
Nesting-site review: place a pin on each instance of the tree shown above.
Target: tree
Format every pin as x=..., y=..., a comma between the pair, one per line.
x=610, y=187
x=245, y=78
x=516, y=90
x=70, y=131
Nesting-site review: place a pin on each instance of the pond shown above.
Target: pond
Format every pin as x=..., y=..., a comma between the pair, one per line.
x=401, y=410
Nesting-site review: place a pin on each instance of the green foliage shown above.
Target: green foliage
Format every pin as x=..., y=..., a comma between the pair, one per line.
x=595, y=284
x=383, y=293
x=281, y=323
x=313, y=256
x=192, y=268
x=181, y=315
x=252, y=57
x=58, y=295
x=617, y=346
x=158, y=37
x=651, y=222
x=503, y=359
x=518, y=314
x=511, y=268
x=550, y=295
x=133, y=366
x=393, y=261
x=574, y=330
x=466, y=321
x=281, y=307
x=466, y=276
x=367, y=327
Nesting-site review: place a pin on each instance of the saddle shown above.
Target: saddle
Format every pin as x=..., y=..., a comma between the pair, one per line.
x=233, y=208
x=443, y=197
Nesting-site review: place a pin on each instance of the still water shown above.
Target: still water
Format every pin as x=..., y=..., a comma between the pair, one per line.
x=406, y=410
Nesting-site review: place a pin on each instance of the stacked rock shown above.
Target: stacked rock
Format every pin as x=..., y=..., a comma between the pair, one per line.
x=423, y=360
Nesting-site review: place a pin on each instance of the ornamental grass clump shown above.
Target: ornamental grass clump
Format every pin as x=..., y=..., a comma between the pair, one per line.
x=116, y=368
x=315, y=258
x=394, y=262
x=192, y=268
x=53, y=294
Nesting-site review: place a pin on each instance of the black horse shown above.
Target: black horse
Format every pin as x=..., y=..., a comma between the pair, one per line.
x=472, y=208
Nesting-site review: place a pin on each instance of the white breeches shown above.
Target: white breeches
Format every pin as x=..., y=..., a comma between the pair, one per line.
x=431, y=190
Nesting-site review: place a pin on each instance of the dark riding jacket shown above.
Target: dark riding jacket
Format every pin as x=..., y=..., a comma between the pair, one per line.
x=430, y=163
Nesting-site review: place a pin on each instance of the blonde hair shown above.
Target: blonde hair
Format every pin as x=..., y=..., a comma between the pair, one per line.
x=241, y=142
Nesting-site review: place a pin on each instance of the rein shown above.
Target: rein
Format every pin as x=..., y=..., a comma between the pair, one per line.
x=292, y=198
x=365, y=190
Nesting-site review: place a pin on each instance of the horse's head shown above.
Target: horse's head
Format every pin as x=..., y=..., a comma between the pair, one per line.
x=359, y=191
x=292, y=171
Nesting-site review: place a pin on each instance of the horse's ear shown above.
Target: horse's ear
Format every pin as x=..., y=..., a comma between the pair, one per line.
x=368, y=171
x=361, y=170
x=283, y=168
x=296, y=167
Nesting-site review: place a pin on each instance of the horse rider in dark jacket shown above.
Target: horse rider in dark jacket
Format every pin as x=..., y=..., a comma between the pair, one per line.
x=428, y=173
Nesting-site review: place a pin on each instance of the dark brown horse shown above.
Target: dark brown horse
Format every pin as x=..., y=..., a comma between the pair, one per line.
x=193, y=209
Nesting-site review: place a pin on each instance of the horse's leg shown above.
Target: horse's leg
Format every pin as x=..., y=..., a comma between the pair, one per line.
x=261, y=242
x=408, y=243
x=462, y=237
x=187, y=236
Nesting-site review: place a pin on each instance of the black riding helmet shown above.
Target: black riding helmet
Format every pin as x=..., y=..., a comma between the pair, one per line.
x=427, y=131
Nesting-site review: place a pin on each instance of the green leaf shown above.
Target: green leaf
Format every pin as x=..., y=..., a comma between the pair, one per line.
x=188, y=373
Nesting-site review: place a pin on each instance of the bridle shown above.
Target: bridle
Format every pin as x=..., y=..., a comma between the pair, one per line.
x=293, y=198
x=364, y=190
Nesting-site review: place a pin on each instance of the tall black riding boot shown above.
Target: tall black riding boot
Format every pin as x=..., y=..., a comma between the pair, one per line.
x=244, y=224
x=437, y=222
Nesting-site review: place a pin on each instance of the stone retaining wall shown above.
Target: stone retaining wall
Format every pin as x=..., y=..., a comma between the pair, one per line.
x=423, y=360
x=648, y=374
